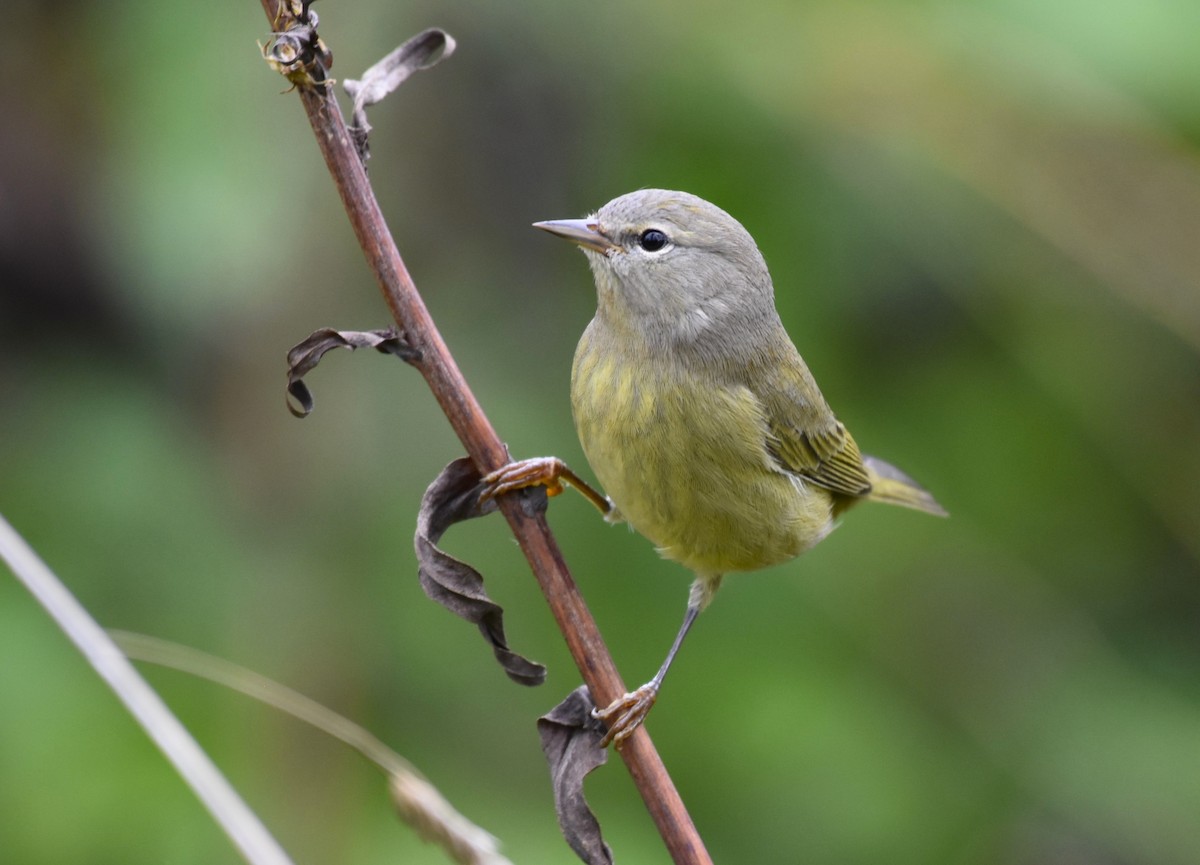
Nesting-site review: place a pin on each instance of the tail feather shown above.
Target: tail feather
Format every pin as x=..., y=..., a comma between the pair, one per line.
x=894, y=487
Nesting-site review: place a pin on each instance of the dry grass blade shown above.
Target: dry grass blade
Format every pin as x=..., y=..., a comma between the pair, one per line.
x=417, y=800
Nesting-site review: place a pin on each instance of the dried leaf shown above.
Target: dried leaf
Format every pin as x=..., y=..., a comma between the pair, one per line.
x=305, y=355
x=426, y=49
x=451, y=498
x=571, y=742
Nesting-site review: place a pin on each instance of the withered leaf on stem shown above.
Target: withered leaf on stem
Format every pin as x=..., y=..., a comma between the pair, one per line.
x=571, y=742
x=305, y=355
x=453, y=497
x=426, y=49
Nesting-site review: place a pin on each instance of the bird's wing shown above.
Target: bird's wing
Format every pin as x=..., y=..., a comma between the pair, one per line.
x=804, y=436
x=827, y=456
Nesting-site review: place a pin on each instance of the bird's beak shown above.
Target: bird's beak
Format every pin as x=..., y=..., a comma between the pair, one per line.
x=585, y=232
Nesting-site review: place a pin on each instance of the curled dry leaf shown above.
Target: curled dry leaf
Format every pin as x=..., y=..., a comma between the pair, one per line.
x=426, y=49
x=304, y=356
x=451, y=498
x=571, y=742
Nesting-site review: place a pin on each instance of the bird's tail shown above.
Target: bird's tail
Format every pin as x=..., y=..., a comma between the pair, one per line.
x=890, y=485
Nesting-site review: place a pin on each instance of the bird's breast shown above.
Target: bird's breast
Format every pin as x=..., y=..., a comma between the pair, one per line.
x=684, y=459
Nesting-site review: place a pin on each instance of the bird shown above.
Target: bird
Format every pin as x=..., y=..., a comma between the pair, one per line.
x=695, y=411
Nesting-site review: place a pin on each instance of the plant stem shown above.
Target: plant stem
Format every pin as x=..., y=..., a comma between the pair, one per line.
x=489, y=453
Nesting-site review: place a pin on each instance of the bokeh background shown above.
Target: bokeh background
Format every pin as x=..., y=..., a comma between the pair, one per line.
x=983, y=220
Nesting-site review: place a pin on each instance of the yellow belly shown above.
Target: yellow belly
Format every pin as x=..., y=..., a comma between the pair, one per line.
x=686, y=465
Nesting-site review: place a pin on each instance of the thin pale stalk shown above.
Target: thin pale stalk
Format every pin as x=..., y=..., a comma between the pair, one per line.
x=232, y=814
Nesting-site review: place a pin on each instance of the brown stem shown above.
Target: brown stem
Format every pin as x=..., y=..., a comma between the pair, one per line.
x=489, y=453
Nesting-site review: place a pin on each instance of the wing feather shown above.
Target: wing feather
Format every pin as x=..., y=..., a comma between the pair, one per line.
x=805, y=438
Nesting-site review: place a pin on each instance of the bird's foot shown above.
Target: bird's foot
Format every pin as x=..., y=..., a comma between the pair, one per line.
x=625, y=714
x=548, y=472
x=545, y=472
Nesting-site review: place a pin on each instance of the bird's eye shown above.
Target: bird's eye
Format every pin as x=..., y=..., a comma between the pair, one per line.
x=652, y=240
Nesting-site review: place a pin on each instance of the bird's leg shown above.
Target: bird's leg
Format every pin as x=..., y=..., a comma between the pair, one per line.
x=625, y=714
x=548, y=472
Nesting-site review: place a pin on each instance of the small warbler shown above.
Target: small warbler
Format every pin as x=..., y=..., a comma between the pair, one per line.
x=696, y=412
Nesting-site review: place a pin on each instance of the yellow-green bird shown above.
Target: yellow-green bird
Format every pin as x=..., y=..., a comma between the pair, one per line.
x=696, y=412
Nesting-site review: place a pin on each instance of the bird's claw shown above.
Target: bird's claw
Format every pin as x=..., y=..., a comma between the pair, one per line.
x=522, y=474
x=625, y=714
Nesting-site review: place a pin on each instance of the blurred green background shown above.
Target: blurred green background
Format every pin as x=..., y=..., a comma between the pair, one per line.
x=983, y=220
